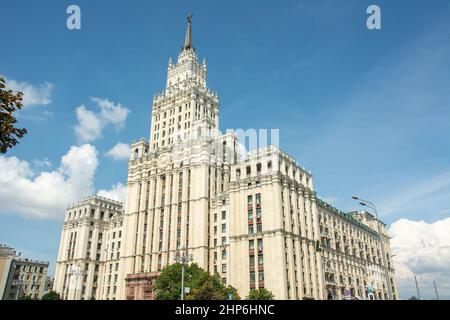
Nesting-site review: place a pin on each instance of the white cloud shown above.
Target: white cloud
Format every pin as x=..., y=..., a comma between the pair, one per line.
x=422, y=249
x=117, y=192
x=120, y=151
x=32, y=95
x=112, y=113
x=44, y=163
x=47, y=194
x=90, y=124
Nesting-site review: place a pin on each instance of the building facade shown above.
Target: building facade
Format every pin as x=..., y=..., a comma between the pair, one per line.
x=253, y=217
x=21, y=277
x=352, y=255
x=88, y=265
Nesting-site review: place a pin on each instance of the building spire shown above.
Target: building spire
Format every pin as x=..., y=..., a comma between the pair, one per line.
x=188, y=39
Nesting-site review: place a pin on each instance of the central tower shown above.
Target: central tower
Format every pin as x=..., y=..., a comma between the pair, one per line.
x=186, y=108
x=178, y=180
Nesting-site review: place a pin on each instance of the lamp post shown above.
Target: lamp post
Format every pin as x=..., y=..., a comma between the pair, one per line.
x=183, y=259
x=18, y=283
x=369, y=204
x=75, y=273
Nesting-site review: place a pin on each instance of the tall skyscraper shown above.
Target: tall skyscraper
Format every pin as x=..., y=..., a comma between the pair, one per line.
x=252, y=217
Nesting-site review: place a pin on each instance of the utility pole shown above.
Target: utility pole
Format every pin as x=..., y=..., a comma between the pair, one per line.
x=436, y=290
x=183, y=259
x=417, y=287
x=382, y=241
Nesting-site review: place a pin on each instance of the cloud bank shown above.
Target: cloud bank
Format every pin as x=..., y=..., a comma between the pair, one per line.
x=422, y=249
x=46, y=194
x=32, y=95
x=121, y=151
x=91, y=124
x=118, y=192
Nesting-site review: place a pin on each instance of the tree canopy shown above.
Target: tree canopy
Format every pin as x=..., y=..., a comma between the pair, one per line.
x=260, y=294
x=10, y=102
x=52, y=295
x=202, y=285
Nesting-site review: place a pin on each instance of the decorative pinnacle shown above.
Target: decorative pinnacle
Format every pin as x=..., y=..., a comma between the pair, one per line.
x=188, y=38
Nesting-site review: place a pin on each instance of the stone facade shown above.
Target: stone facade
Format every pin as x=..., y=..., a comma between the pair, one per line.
x=88, y=265
x=21, y=277
x=253, y=218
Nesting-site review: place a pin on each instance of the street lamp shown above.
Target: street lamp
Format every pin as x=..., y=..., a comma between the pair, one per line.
x=369, y=204
x=183, y=259
x=18, y=284
x=75, y=273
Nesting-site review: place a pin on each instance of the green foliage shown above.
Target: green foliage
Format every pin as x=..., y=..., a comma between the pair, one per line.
x=203, y=286
x=52, y=295
x=260, y=294
x=10, y=102
x=413, y=298
x=234, y=293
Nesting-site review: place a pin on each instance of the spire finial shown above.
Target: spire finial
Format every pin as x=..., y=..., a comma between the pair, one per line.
x=188, y=39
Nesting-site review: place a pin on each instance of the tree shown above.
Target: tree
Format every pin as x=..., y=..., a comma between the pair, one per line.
x=260, y=294
x=234, y=293
x=52, y=295
x=203, y=286
x=168, y=284
x=10, y=102
x=413, y=298
x=207, y=291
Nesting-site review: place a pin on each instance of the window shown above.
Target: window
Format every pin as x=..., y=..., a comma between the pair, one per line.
x=251, y=244
x=224, y=215
x=250, y=229
x=215, y=217
x=224, y=228
x=224, y=254
x=259, y=227
x=250, y=214
x=252, y=277
x=249, y=199
x=260, y=259
x=224, y=267
x=252, y=260
x=261, y=276
x=260, y=244
x=224, y=240
x=258, y=199
x=215, y=230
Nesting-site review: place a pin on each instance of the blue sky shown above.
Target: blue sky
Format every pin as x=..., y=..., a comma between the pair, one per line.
x=368, y=112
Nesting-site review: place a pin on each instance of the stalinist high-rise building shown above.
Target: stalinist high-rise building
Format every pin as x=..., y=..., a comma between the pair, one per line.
x=252, y=217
